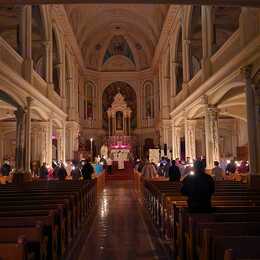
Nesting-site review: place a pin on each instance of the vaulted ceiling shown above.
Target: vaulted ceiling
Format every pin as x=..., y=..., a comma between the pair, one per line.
x=122, y=35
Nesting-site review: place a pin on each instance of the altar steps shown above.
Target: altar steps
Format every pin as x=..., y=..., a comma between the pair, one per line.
x=126, y=174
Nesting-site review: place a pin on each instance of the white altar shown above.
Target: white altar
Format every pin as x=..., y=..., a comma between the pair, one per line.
x=120, y=156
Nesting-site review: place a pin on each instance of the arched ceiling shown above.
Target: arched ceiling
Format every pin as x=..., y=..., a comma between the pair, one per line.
x=95, y=25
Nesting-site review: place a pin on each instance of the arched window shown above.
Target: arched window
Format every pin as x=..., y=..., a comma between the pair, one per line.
x=9, y=25
x=56, y=64
x=89, y=101
x=148, y=100
x=225, y=23
x=196, y=41
x=179, y=67
x=38, y=38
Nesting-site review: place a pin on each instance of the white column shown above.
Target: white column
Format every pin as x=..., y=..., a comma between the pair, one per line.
x=207, y=37
x=113, y=124
x=49, y=129
x=28, y=135
x=253, y=121
x=190, y=138
x=1, y=148
x=186, y=60
x=212, y=136
x=26, y=41
x=109, y=125
x=176, y=141
x=19, y=154
x=129, y=125
x=61, y=144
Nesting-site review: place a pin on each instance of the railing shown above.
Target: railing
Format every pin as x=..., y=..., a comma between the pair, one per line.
x=196, y=81
x=10, y=57
x=40, y=84
x=229, y=49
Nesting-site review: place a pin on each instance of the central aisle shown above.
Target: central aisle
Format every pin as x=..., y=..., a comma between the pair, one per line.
x=119, y=231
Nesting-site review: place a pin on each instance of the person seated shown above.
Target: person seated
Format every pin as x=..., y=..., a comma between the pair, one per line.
x=217, y=172
x=174, y=172
x=198, y=187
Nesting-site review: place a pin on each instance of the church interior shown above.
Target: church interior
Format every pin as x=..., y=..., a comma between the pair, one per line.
x=103, y=105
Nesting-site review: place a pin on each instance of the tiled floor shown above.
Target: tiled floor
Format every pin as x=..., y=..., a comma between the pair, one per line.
x=119, y=231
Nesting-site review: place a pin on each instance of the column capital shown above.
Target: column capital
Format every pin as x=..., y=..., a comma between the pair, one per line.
x=19, y=113
x=247, y=71
x=29, y=101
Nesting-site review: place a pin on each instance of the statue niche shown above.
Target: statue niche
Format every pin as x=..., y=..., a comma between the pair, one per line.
x=119, y=120
x=119, y=117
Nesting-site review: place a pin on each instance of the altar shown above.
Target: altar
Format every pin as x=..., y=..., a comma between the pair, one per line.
x=119, y=128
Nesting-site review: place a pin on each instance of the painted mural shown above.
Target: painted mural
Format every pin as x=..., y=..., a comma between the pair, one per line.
x=118, y=46
x=130, y=97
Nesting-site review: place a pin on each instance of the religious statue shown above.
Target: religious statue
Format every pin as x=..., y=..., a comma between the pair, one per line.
x=104, y=151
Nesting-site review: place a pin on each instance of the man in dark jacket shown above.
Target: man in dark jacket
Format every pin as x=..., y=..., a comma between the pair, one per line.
x=43, y=172
x=62, y=173
x=6, y=169
x=87, y=171
x=198, y=187
x=174, y=172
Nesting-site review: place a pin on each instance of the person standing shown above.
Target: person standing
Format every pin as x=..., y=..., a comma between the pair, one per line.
x=217, y=172
x=174, y=172
x=43, y=172
x=75, y=172
x=198, y=187
x=6, y=169
x=62, y=173
x=87, y=171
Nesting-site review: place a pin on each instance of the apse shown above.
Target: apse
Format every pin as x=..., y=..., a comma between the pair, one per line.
x=129, y=95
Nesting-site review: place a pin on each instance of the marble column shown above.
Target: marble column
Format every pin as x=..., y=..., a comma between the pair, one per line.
x=124, y=124
x=190, y=138
x=186, y=61
x=109, y=125
x=26, y=42
x=48, y=61
x=43, y=142
x=61, y=143
x=27, y=136
x=253, y=121
x=207, y=39
x=113, y=124
x=49, y=129
x=19, y=153
x=73, y=140
x=175, y=66
x=212, y=135
x=129, y=125
x=176, y=141
x=70, y=100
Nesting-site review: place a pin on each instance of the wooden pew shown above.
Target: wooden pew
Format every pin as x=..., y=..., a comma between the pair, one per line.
x=37, y=246
x=35, y=201
x=14, y=250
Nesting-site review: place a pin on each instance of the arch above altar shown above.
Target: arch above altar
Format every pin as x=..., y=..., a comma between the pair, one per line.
x=119, y=117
